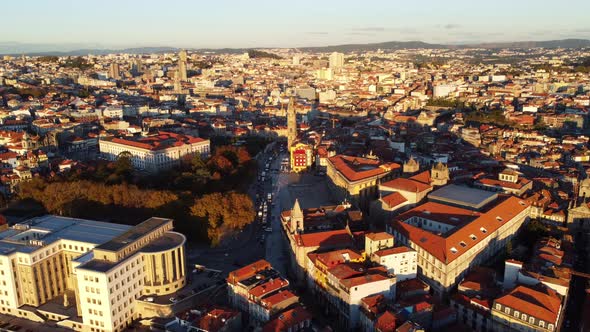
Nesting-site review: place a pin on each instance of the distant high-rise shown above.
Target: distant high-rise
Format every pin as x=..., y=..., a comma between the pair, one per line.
x=114, y=71
x=291, y=123
x=336, y=60
x=182, y=65
x=177, y=85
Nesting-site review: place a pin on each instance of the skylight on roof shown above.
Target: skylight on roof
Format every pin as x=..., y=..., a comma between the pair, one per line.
x=463, y=244
x=473, y=237
x=483, y=230
x=499, y=219
x=454, y=250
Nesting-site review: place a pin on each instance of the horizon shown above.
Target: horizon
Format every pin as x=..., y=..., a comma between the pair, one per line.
x=264, y=24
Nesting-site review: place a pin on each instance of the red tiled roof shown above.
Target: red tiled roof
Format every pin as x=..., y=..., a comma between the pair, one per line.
x=269, y=286
x=392, y=251
x=379, y=236
x=321, y=239
x=356, y=168
x=287, y=320
x=440, y=246
x=423, y=177
x=280, y=296
x=394, y=199
x=410, y=185
x=248, y=271
x=385, y=322
x=542, y=305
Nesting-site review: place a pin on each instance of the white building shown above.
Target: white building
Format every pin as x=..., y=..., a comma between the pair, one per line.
x=154, y=153
x=64, y=269
x=336, y=60
x=401, y=261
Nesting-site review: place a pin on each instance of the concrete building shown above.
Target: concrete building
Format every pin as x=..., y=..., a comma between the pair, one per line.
x=154, y=153
x=336, y=60
x=89, y=275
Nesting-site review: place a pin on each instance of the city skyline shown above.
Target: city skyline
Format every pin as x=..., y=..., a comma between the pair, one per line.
x=70, y=25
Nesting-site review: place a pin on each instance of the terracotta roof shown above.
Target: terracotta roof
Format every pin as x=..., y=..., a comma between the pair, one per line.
x=386, y=322
x=280, y=296
x=394, y=199
x=287, y=320
x=379, y=236
x=448, y=247
x=392, y=251
x=410, y=185
x=268, y=287
x=321, y=239
x=356, y=168
x=423, y=177
x=542, y=305
x=248, y=271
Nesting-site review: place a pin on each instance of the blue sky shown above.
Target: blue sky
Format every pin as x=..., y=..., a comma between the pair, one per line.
x=262, y=23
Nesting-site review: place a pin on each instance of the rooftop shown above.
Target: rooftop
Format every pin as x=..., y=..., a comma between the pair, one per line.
x=463, y=196
x=133, y=233
x=35, y=233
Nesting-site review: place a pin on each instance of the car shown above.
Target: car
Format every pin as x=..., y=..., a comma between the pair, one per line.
x=173, y=300
x=149, y=299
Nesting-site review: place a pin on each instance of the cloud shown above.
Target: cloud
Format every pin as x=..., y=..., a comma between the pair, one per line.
x=451, y=26
x=316, y=33
x=373, y=29
x=583, y=30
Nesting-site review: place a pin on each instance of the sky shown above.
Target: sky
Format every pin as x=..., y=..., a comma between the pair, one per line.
x=280, y=23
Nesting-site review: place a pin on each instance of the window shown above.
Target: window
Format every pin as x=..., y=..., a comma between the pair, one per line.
x=550, y=327
x=507, y=310
x=516, y=314
x=531, y=320
x=523, y=317
x=541, y=323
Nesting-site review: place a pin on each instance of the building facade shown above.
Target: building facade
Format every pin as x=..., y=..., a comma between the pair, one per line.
x=57, y=268
x=155, y=153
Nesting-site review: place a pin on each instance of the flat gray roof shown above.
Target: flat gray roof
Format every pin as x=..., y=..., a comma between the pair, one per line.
x=133, y=233
x=463, y=196
x=50, y=228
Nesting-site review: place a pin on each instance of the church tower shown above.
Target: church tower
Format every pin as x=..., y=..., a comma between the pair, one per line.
x=411, y=166
x=291, y=123
x=296, y=218
x=439, y=174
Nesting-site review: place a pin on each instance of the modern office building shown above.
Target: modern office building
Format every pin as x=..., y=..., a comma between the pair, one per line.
x=89, y=275
x=154, y=153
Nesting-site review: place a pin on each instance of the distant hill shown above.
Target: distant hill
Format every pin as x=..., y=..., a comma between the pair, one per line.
x=13, y=48
x=392, y=45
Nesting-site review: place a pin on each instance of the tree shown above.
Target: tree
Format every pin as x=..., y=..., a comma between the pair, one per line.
x=124, y=166
x=223, y=212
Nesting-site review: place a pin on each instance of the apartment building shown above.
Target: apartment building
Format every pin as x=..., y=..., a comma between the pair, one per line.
x=154, y=153
x=258, y=290
x=57, y=268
